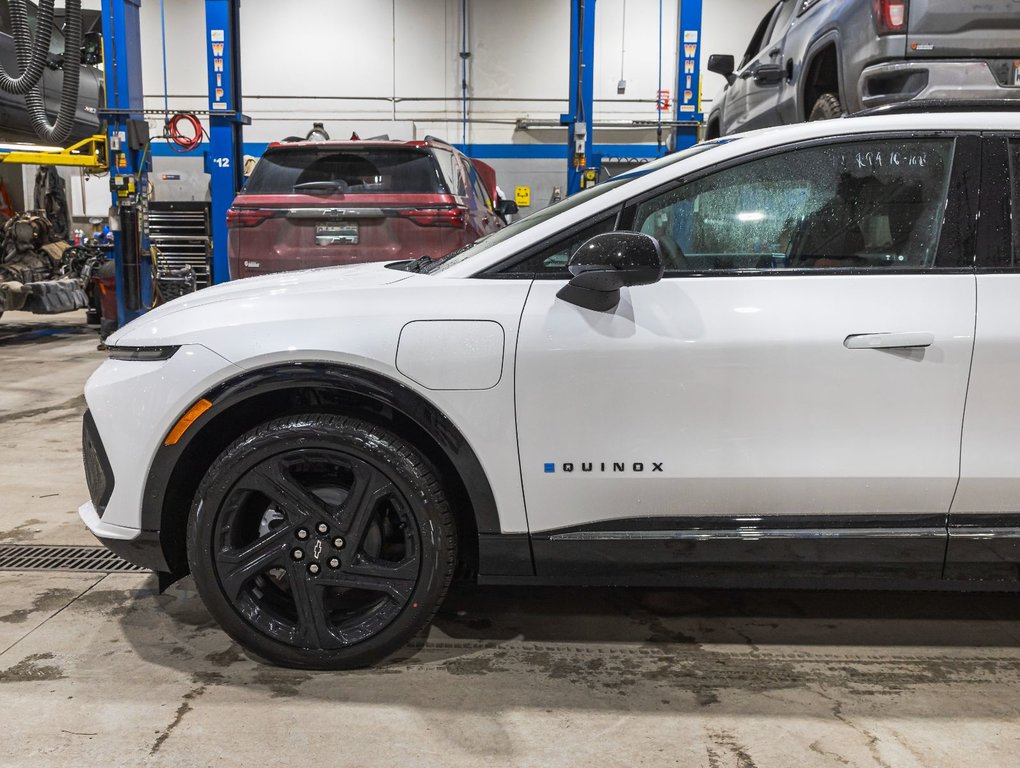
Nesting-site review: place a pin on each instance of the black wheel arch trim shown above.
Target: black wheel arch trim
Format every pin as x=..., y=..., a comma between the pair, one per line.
x=336, y=378
x=829, y=37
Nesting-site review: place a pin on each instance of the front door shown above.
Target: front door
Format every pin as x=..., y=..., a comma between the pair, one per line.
x=801, y=369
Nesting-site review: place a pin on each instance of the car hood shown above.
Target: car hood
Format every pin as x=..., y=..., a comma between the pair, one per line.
x=306, y=284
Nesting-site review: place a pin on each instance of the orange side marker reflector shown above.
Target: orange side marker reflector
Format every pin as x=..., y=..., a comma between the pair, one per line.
x=186, y=421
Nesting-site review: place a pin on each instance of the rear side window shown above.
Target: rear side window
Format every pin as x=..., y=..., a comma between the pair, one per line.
x=453, y=173
x=369, y=171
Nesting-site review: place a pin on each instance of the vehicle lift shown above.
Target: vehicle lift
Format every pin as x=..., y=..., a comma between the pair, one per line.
x=583, y=165
x=128, y=141
x=125, y=148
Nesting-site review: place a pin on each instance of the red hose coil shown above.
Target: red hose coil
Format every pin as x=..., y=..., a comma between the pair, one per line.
x=187, y=141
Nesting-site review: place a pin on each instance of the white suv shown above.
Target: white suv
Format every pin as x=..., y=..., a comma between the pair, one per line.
x=789, y=358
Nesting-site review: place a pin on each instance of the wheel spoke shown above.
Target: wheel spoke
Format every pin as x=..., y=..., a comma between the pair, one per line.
x=278, y=484
x=407, y=570
x=312, y=622
x=370, y=486
x=237, y=567
x=399, y=589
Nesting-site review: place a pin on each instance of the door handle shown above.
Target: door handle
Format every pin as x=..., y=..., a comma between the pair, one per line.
x=889, y=340
x=775, y=52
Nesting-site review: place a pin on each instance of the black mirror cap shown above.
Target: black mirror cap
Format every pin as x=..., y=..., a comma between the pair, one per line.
x=608, y=262
x=506, y=207
x=722, y=64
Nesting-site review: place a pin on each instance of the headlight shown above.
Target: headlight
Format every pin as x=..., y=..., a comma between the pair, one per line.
x=144, y=354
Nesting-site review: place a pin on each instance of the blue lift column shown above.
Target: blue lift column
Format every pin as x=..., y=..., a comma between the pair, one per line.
x=580, y=161
x=224, y=158
x=122, y=55
x=688, y=92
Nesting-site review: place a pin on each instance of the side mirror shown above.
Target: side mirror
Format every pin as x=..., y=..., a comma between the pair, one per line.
x=607, y=263
x=769, y=74
x=506, y=207
x=723, y=64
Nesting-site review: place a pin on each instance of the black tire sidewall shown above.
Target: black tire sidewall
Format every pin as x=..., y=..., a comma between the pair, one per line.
x=402, y=464
x=827, y=107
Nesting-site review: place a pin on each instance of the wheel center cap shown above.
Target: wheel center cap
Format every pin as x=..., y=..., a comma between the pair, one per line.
x=317, y=549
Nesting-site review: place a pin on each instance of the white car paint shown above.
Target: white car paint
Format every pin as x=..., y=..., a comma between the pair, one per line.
x=698, y=374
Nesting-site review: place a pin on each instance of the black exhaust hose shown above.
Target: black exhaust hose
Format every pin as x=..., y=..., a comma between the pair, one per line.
x=129, y=258
x=32, y=56
x=64, y=123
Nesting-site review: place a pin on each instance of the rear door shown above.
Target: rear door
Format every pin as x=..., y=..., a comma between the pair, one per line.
x=751, y=102
x=984, y=525
x=952, y=29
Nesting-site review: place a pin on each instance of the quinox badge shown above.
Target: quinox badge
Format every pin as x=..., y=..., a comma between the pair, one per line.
x=602, y=467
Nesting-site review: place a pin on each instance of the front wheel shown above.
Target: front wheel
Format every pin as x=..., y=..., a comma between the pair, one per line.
x=321, y=542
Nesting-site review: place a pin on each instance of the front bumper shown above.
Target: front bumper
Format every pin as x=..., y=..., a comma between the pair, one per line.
x=141, y=548
x=134, y=404
x=961, y=80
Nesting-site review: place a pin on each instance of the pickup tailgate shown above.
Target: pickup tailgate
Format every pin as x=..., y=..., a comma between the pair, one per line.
x=972, y=29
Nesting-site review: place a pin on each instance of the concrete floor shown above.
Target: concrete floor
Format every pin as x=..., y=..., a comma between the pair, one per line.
x=100, y=670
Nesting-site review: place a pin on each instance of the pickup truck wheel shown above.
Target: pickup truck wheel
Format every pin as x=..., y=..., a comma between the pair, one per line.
x=321, y=542
x=827, y=107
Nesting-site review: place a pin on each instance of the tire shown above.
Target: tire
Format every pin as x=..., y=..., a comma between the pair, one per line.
x=826, y=107
x=366, y=512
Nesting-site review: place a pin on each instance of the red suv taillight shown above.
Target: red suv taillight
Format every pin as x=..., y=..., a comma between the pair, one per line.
x=890, y=16
x=247, y=217
x=437, y=217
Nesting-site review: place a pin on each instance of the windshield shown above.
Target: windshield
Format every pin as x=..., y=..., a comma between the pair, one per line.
x=523, y=225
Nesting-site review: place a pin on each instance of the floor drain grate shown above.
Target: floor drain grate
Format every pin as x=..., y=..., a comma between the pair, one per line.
x=27, y=557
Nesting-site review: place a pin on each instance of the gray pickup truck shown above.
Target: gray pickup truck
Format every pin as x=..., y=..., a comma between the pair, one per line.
x=816, y=59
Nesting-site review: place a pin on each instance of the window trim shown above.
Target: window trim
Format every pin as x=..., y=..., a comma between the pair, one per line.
x=959, y=184
x=500, y=271
x=806, y=5
x=995, y=226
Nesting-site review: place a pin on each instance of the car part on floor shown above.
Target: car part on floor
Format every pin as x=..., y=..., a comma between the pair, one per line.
x=41, y=273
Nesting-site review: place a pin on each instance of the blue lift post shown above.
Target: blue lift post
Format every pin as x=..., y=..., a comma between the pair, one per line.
x=582, y=74
x=128, y=166
x=688, y=92
x=224, y=158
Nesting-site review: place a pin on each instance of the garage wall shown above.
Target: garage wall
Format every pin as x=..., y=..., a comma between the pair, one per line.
x=392, y=67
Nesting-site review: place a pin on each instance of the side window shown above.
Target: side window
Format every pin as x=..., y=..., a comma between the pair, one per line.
x=453, y=175
x=782, y=21
x=480, y=193
x=552, y=260
x=868, y=205
x=1014, y=172
x=758, y=38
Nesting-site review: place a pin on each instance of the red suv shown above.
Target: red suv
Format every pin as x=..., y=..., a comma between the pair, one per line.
x=322, y=203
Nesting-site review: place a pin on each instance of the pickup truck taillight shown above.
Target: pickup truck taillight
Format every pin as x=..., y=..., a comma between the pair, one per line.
x=247, y=217
x=437, y=217
x=890, y=16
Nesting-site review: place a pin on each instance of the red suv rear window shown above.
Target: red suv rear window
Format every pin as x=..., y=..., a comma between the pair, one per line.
x=371, y=170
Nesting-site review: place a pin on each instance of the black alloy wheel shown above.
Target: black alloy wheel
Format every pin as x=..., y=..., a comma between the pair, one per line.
x=321, y=541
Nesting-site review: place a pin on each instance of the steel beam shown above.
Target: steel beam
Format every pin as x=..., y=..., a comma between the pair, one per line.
x=582, y=75
x=224, y=159
x=688, y=91
x=122, y=64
